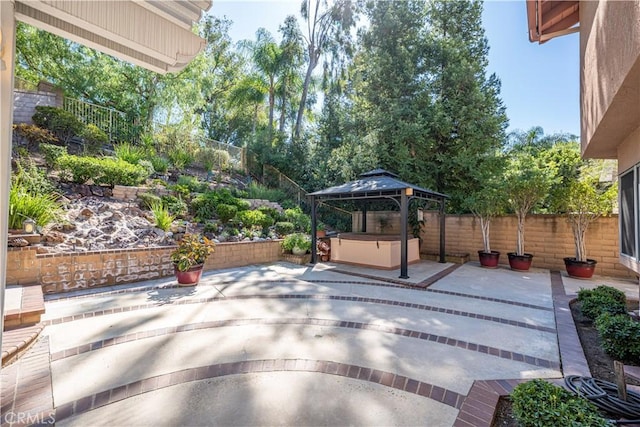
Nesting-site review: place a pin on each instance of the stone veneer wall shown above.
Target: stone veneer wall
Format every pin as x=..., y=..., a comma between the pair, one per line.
x=84, y=270
x=547, y=237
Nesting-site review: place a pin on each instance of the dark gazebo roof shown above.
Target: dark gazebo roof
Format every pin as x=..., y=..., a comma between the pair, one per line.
x=377, y=183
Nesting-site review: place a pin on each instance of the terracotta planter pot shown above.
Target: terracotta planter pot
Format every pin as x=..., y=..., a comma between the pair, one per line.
x=191, y=277
x=489, y=259
x=321, y=233
x=580, y=269
x=520, y=262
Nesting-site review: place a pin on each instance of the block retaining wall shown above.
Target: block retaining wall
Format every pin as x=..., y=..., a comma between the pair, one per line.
x=83, y=270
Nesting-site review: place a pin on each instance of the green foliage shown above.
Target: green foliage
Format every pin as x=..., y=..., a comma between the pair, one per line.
x=180, y=158
x=32, y=179
x=300, y=220
x=192, y=250
x=538, y=403
x=175, y=205
x=620, y=336
x=258, y=191
x=213, y=159
x=283, y=228
x=130, y=153
x=93, y=138
x=204, y=205
x=163, y=219
x=147, y=166
x=63, y=124
x=147, y=200
x=603, y=299
x=255, y=218
x=210, y=227
x=226, y=212
x=42, y=208
x=160, y=164
x=52, y=153
x=32, y=136
x=272, y=212
x=106, y=170
x=296, y=240
x=192, y=183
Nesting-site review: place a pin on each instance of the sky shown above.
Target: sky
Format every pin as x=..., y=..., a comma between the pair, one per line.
x=540, y=82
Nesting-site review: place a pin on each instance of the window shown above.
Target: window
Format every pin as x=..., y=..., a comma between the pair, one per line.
x=629, y=213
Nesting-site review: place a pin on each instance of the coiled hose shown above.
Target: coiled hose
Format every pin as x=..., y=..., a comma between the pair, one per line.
x=604, y=394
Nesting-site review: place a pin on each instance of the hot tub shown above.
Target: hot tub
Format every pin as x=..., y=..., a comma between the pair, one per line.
x=372, y=250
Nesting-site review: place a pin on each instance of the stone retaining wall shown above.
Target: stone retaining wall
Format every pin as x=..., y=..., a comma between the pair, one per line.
x=84, y=270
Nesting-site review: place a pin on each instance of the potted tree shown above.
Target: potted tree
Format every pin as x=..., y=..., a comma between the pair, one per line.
x=297, y=243
x=583, y=202
x=485, y=205
x=527, y=183
x=189, y=257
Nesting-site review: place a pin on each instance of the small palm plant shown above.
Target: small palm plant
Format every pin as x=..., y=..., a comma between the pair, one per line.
x=161, y=215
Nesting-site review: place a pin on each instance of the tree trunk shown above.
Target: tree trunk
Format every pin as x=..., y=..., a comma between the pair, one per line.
x=520, y=242
x=305, y=89
x=484, y=225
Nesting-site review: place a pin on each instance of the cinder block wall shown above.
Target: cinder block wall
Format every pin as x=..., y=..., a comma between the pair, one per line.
x=84, y=270
x=547, y=237
x=25, y=102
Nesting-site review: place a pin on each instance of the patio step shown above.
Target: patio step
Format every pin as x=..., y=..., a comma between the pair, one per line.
x=29, y=310
x=21, y=321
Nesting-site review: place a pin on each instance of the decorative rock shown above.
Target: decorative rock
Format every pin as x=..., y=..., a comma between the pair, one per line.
x=85, y=213
x=18, y=242
x=53, y=237
x=96, y=190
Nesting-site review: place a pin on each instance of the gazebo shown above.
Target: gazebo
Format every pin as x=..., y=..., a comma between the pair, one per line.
x=381, y=185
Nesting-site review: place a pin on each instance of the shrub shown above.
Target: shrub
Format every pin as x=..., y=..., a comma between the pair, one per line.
x=147, y=200
x=32, y=136
x=159, y=163
x=192, y=250
x=52, y=153
x=255, y=219
x=180, y=157
x=105, y=170
x=600, y=300
x=63, y=124
x=210, y=227
x=42, y=208
x=620, y=336
x=31, y=178
x=192, y=183
x=161, y=215
x=130, y=153
x=243, y=205
x=213, y=159
x=283, y=228
x=147, y=166
x=257, y=191
x=272, y=212
x=296, y=240
x=226, y=212
x=300, y=220
x=175, y=205
x=204, y=205
x=538, y=403
x=94, y=138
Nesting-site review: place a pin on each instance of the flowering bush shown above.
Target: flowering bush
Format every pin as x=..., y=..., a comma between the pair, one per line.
x=192, y=250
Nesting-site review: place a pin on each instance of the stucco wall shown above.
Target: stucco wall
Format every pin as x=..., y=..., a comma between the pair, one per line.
x=25, y=102
x=609, y=75
x=547, y=237
x=83, y=270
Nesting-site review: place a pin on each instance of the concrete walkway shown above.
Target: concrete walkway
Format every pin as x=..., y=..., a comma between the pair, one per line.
x=284, y=344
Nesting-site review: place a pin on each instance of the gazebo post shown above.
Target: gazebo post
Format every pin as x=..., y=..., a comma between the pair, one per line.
x=314, y=250
x=442, y=234
x=404, y=214
x=363, y=226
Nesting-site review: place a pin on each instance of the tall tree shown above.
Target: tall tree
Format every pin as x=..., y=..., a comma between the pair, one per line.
x=328, y=27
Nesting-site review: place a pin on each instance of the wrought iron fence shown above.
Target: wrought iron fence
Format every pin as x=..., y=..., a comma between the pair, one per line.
x=111, y=121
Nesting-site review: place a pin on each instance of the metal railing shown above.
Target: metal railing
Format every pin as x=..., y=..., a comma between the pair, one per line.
x=111, y=121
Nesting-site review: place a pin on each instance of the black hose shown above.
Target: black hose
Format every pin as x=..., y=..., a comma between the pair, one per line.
x=604, y=395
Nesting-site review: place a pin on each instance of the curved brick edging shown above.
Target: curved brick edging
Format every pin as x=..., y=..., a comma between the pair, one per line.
x=423, y=307
x=136, y=388
x=440, y=339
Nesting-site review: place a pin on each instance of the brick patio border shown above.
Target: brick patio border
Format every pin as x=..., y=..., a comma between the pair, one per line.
x=388, y=379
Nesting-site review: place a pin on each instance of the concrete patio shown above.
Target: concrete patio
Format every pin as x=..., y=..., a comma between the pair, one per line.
x=284, y=344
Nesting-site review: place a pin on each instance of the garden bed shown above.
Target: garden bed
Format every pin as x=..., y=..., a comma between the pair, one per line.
x=600, y=363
